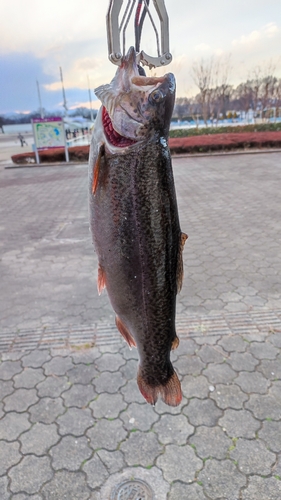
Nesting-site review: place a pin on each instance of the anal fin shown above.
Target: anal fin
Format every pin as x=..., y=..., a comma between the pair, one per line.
x=101, y=279
x=125, y=333
x=175, y=343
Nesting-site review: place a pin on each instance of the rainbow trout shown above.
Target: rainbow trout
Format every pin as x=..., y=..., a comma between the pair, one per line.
x=134, y=220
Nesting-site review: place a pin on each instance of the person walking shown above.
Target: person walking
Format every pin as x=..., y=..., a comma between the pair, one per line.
x=22, y=140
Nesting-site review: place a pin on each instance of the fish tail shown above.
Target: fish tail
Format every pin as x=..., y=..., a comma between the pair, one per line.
x=170, y=392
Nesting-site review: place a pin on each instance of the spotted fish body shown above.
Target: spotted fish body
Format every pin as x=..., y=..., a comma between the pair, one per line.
x=134, y=220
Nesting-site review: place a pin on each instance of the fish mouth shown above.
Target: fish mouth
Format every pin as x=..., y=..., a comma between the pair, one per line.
x=112, y=136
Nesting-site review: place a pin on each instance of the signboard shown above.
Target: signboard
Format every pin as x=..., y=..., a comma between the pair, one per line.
x=49, y=134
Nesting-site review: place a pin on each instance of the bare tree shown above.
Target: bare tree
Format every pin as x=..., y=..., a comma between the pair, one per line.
x=223, y=90
x=202, y=75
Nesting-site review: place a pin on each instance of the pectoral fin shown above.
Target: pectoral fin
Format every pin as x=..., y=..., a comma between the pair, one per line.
x=125, y=332
x=180, y=262
x=96, y=168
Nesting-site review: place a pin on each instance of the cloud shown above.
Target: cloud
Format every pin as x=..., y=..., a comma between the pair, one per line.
x=18, y=75
x=202, y=47
x=267, y=31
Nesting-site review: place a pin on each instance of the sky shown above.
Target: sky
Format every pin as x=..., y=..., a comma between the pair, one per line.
x=36, y=38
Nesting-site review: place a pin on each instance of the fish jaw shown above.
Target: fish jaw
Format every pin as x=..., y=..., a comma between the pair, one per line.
x=136, y=106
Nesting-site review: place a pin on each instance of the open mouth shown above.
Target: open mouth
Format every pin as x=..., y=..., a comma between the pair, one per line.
x=113, y=137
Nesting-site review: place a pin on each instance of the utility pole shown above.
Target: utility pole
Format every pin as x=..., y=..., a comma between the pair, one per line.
x=40, y=102
x=90, y=99
x=63, y=94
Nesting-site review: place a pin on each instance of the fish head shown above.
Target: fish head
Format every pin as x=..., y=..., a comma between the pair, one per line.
x=136, y=106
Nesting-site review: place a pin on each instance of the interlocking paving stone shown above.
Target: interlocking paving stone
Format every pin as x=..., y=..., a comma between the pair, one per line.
x=4, y=494
x=75, y=421
x=79, y=395
x=162, y=408
x=219, y=374
x=109, y=362
x=253, y=457
x=210, y=442
x=39, y=439
x=189, y=365
x=12, y=425
x=108, y=405
x=46, y=410
x=113, y=383
x=239, y=423
x=271, y=369
x=67, y=485
x=266, y=406
x=275, y=339
x=211, y=354
x=173, y=429
x=221, y=480
x=106, y=434
x=28, y=378
x=247, y=341
x=52, y=386
x=57, y=366
x=271, y=434
x=195, y=387
x=35, y=359
x=179, y=463
x=262, y=489
x=263, y=351
x=233, y=343
x=96, y=471
x=87, y=356
x=20, y=400
x=131, y=392
x=23, y=496
x=202, y=412
x=82, y=374
x=6, y=388
x=252, y=382
x=242, y=361
x=229, y=396
x=9, y=455
x=30, y=474
x=113, y=460
x=129, y=370
x=70, y=452
x=186, y=492
x=139, y=416
x=9, y=368
x=141, y=448
x=186, y=347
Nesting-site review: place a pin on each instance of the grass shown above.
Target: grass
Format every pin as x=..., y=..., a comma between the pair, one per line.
x=262, y=127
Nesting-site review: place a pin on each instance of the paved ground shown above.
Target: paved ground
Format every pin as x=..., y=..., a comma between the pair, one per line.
x=72, y=422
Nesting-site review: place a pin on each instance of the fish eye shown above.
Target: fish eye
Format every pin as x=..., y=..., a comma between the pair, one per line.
x=157, y=95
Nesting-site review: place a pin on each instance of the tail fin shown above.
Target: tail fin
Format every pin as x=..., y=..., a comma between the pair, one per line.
x=170, y=392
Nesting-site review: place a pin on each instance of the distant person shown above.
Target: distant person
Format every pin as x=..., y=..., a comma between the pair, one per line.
x=22, y=140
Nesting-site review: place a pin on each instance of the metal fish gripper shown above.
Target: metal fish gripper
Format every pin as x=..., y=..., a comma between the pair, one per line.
x=117, y=29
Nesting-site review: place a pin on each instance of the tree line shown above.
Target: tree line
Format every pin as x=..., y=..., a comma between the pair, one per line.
x=218, y=99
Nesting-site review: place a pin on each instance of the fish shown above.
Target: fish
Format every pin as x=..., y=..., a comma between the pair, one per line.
x=134, y=220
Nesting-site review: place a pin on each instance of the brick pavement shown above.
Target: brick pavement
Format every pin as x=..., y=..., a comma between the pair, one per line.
x=72, y=422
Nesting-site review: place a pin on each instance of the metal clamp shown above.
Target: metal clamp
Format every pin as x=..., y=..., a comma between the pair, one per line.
x=114, y=30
